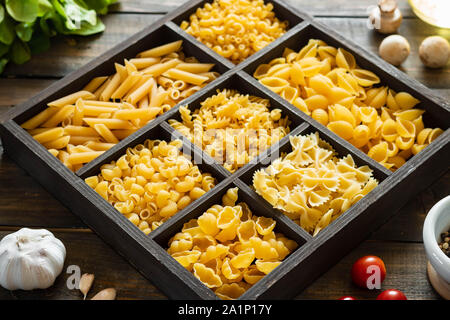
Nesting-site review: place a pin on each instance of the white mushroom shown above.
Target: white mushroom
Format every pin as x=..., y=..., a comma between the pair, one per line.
x=394, y=49
x=434, y=52
x=386, y=17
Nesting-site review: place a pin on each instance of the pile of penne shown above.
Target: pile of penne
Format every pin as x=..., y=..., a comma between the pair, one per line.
x=81, y=126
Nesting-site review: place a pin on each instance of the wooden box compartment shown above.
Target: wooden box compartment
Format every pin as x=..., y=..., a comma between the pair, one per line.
x=147, y=253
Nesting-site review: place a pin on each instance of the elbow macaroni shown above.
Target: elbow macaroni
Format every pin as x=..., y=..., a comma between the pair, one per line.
x=235, y=29
x=109, y=109
x=311, y=185
x=151, y=182
x=232, y=128
x=326, y=83
x=228, y=248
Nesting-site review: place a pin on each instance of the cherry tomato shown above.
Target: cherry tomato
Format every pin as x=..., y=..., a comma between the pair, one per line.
x=346, y=298
x=391, y=294
x=368, y=267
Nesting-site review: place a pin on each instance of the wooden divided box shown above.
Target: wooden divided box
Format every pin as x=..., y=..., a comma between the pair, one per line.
x=147, y=253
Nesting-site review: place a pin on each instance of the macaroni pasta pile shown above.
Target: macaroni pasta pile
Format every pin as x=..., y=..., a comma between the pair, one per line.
x=311, y=185
x=327, y=84
x=81, y=126
x=151, y=182
x=228, y=248
x=235, y=29
x=232, y=128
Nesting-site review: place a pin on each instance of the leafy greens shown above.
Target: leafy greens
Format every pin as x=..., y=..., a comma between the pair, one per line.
x=27, y=25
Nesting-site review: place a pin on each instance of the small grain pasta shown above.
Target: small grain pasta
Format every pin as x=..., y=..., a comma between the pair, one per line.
x=311, y=185
x=326, y=83
x=151, y=182
x=235, y=29
x=232, y=128
x=228, y=248
x=110, y=108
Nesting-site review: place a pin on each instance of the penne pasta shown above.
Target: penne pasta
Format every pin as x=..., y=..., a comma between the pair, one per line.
x=110, y=108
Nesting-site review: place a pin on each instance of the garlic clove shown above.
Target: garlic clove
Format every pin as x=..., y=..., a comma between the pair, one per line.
x=85, y=283
x=106, y=294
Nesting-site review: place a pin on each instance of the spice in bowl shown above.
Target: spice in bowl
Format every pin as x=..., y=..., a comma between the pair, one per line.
x=445, y=243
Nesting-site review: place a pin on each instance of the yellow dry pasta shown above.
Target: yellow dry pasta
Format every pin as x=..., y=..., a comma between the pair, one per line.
x=229, y=266
x=327, y=84
x=235, y=29
x=311, y=185
x=232, y=128
x=110, y=108
x=149, y=184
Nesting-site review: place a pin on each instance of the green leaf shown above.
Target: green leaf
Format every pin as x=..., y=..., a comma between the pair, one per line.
x=22, y=10
x=7, y=32
x=75, y=15
x=87, y=29
x=44, y=6
x=20, y=52
x=2, y=13
x=24, y=31
x=55, y=26
x=39, y=43
x=3, y=49
x=3, y=63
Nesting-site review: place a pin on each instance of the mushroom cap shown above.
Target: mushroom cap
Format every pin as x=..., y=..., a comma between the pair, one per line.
x=434, y=52
x=394, y=49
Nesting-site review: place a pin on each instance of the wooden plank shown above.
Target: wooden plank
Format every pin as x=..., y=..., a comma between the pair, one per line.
x=407, y=224
x=316, y=8
x=63, y=58
x=406, y=271
x=24, y=202
x=92, y=255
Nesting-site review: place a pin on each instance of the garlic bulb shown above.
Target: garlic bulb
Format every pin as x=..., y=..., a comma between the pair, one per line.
x=30, y=259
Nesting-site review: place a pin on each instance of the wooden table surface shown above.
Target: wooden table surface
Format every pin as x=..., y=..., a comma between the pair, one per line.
x=24, y=203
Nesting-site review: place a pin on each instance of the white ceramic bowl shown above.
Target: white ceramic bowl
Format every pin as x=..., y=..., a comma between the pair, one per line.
x=437, y=222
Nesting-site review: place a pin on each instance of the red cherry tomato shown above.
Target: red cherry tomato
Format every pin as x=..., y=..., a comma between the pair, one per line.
x=346, y=298
x=368, y=267
x=391, y=294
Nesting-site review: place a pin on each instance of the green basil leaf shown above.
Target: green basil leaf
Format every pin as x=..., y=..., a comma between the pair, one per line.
x=3, y=63
x=2, y=13
x=20, y=52
x=22, y=10
x=24, y=31
x=87, y=29
x=75, y=15
x=7, y=32
x=3, y=49
x=44, y=6
x=39, y=43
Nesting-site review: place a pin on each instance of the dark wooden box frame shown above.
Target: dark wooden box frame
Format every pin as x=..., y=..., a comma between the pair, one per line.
x=147, y=253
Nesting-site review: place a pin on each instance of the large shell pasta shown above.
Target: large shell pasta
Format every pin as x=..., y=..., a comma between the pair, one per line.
x=232, y=128
x=230, y=266
x=149, y=184
x=327, y=84
x=311, y=186
x=81, y=126
x=235, y=29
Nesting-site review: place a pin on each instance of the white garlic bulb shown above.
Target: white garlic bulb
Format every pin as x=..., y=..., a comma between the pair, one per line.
x=30, y=259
